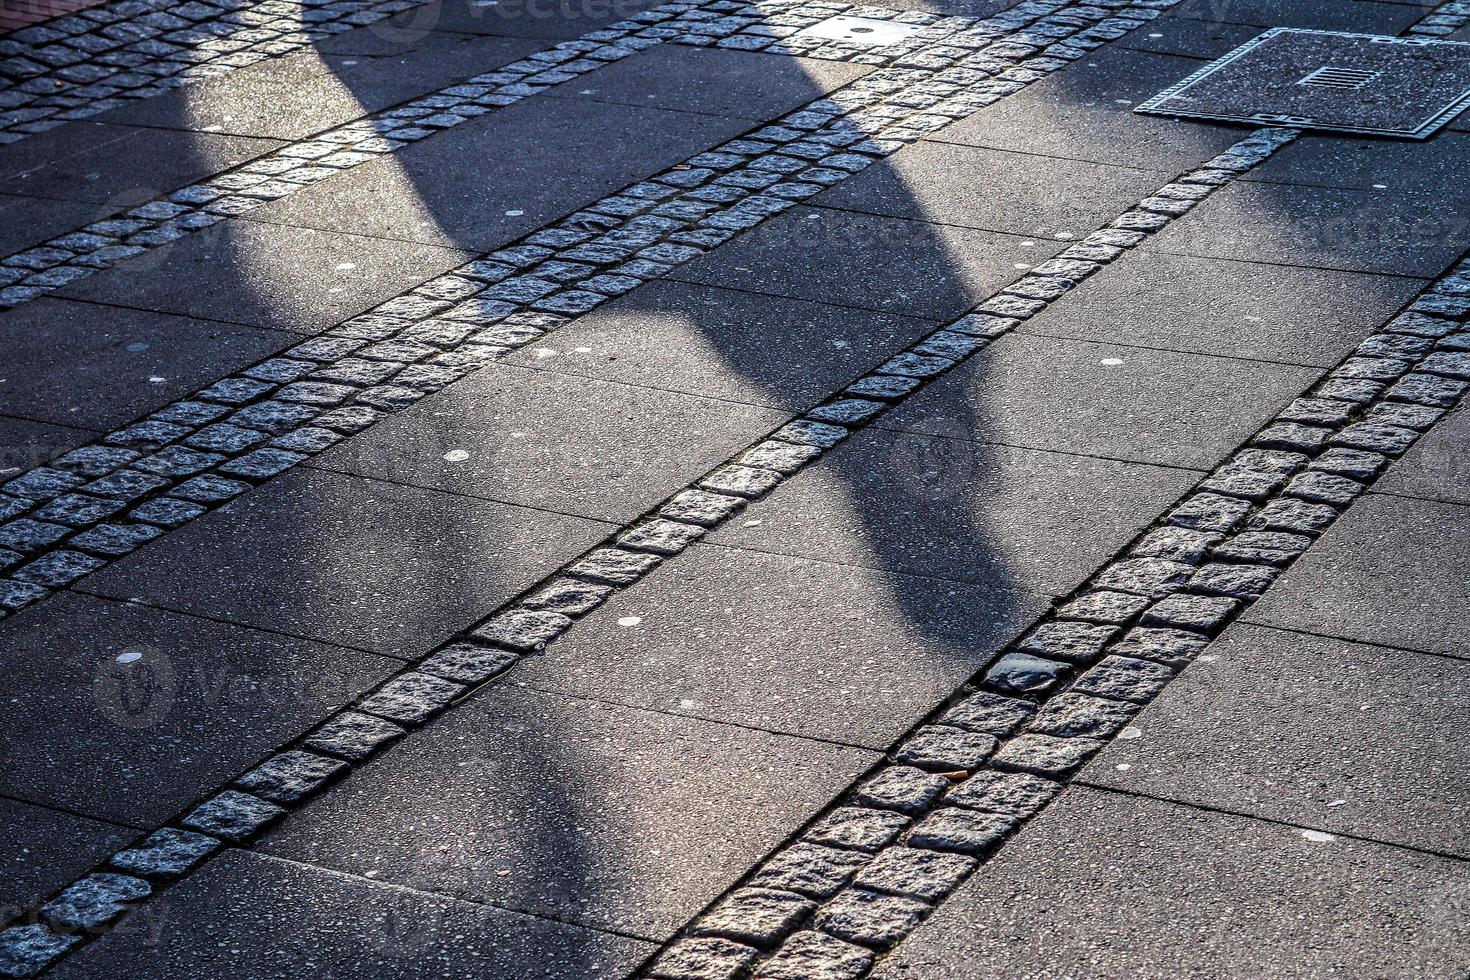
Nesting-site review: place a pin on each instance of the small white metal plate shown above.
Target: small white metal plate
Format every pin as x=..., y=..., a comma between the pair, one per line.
x=866, y=31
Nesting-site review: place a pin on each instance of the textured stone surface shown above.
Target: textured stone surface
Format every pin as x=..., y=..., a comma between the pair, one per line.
x=604, y=451
x=269, y=913
x=1245, y=732
x=159, y=708
x=677, y=642
x=595, y=813
x=960, y=509
x=1378, y=576
x=1313, y=906
x=432, y=568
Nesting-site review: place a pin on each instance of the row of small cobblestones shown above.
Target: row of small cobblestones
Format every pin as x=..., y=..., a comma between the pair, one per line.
x=67, y=519
x=97, y=59
x=1443, y=20
x=303, y=163
x=44, y=268
x=418, y=344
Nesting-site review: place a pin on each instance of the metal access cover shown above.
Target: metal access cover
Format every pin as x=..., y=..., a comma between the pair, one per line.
x=1349, y=83
x=867, y=31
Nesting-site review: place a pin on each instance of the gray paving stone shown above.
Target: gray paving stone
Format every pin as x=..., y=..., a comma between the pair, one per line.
x=1389, y=167
x=80, y=364
x=1226, y=307
x=1188, y=37
x=1412, y=232
x=1245, y=731
x=1097, y=399
x=141, y=165
x=1086, y=113
x=1081, y=892
x=27, y=221
x=46, y=849
x=518, y=18
x=713, y=80
x=448, y=191
x=591, y=813
x=602, y=450
x=726, y=343
x=995, y=190
x=1389, y=571
x=1364, y=16
x=358, y=562
x=147, y=734
x=293, y=97
x=267, y=275
x=270, y=913
x=960, y=510
x=1437, y=465
x=825, y=255
x=25, y=444
x=811, y=648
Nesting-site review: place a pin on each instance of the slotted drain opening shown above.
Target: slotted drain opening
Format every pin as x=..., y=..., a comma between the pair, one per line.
x=1330, y=76
x=1328, y=80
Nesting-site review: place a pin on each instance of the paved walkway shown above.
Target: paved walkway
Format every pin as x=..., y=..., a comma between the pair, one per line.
x=521, y=490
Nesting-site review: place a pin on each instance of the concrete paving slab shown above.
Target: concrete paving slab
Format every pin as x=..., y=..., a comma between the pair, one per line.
x=144, y=164
x=100, y=366
x=1393, y=571
x=810, y=648
x=1344, y=737
x=1187, y=37
x=596, y=449
x=717, y=81
x=55, y=145
x=251, y=915
x=1390, y=167
x=517, y=18
x=267, y=275
x=1362, y=16
x=363, y=563
x=1438, y=467
x=950, y=8
x=24, y=443
x=764, y=350
x=44, y=850
x=133, y=740
x=292, y=97
x=1415, y=232
x=1228, y=308
x=1128, y=403
x=995, y=190
x=841, y=256
x=1111, y=885
x=955, y=509
x=449, y=191
x=593, y=814
x=1086, y=113
x=28, y=221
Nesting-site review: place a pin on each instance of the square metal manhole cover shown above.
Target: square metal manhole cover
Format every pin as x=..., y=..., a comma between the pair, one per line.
x=1350, y=83
x=866, y=31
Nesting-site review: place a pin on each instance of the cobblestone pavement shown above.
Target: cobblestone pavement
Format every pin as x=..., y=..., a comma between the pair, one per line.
x=700, y=491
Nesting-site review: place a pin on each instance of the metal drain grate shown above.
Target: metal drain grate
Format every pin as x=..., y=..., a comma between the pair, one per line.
x=1329, y=76
x=1328, y=80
